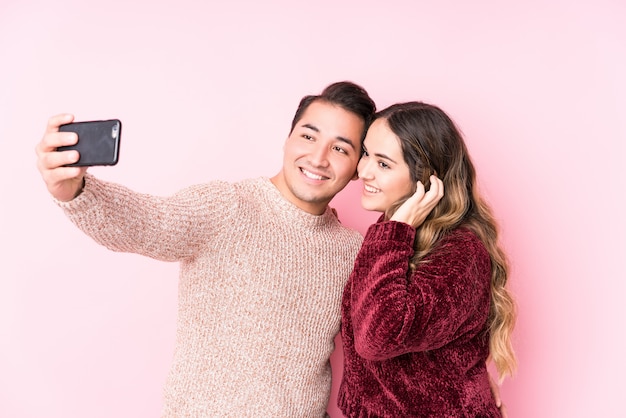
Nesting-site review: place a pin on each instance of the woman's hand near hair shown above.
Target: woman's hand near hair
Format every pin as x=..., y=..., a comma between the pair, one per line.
x=417, y=207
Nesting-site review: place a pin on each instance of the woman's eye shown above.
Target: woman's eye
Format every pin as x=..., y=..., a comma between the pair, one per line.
x=307, y=137
x=383, y=164
x=364, y=153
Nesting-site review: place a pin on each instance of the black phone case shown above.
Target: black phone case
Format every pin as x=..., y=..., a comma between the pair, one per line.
x=98, y=141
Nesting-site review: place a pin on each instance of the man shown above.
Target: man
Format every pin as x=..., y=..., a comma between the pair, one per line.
x=263, y=261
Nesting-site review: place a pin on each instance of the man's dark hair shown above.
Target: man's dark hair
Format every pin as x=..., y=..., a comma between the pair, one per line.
x=345, y=94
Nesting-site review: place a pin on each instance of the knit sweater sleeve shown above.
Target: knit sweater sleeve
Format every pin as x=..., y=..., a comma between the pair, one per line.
x=395, y=312
x=165, y=228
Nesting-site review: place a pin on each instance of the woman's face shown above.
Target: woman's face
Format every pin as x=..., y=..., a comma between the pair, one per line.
x=386, y=177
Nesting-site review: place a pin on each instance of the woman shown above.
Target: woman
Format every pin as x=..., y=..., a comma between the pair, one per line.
x=426, y=304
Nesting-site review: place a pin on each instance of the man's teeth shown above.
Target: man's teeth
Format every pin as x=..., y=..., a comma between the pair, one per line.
x=311, y=175
x=371, y=189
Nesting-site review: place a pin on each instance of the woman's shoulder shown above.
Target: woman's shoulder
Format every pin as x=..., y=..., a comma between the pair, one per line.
x=463, y=235
x=465, y=242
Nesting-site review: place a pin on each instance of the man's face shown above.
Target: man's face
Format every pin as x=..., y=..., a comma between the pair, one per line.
x=320, y=156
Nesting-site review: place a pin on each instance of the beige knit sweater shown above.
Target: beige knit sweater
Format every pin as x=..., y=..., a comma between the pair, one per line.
x=260, y=290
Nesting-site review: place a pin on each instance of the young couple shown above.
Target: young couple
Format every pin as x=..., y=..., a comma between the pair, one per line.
x=268, y=275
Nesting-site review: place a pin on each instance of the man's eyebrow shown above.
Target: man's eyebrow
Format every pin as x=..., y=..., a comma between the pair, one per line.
x=311, y=127
x=346, y=141
x=340, y=138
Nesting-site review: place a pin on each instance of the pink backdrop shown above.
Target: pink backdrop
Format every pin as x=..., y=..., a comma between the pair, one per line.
x=208, y=91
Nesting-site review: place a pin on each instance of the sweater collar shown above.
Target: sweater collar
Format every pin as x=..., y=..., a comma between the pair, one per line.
x=288, y=211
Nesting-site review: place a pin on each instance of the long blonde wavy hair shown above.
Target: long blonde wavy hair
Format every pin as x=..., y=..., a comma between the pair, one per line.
x=432, y=144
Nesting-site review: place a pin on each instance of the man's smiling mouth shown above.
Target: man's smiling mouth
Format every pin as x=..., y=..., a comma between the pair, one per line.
x=311, y=175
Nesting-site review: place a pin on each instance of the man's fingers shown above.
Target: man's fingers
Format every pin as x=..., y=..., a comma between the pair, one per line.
x=54, y=159
x=52, y=140
x=62, y=174
x=61, y=119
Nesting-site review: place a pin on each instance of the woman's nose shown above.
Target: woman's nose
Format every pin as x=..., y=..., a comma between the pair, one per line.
x=363, y=169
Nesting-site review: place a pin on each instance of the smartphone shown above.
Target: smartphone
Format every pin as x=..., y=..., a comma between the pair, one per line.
x=98, y=141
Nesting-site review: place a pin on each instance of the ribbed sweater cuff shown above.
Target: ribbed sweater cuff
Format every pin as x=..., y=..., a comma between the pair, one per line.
x=86, y=199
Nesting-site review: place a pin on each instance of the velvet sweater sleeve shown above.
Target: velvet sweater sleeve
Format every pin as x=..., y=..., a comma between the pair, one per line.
x=395, y=311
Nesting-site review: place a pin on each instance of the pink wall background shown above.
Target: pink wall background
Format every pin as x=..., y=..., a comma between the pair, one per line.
x=207, y=91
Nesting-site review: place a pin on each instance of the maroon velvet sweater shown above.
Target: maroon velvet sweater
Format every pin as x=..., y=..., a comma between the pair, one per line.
x=415, y=344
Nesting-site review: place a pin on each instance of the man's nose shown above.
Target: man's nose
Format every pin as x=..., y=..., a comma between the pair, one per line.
x=319, y=156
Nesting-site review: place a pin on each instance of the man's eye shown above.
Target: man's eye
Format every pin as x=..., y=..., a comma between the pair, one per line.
x=307, y=137
x=343, y=151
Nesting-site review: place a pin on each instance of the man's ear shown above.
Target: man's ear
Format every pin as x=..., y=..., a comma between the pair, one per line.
x=356, y=176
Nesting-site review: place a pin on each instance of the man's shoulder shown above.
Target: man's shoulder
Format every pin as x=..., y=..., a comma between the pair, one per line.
x=228, y=186
x=249, y=185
